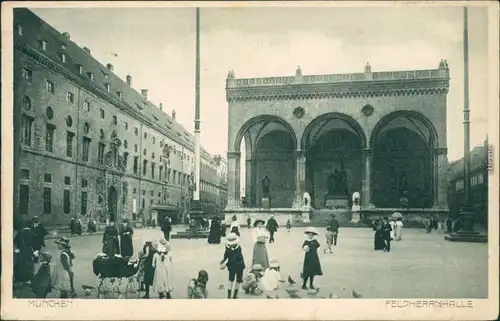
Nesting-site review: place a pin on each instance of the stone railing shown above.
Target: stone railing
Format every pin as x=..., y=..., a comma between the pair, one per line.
x=339, y=78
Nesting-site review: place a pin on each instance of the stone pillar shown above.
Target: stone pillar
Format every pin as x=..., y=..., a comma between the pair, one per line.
x=366, y=199
x=249, y=169
x=233, y=180
x=441, y=178
x=300, y=178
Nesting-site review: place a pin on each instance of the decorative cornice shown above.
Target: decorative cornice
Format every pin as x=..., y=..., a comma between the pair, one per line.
x=406, y=83
x=233, y=155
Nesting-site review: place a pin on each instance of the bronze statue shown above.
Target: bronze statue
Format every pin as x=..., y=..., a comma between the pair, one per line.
x=266, y=182
x=336, y=183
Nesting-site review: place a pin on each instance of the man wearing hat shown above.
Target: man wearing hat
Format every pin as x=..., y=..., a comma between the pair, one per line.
x=272, y=226
x=233, y=260
x=39, y=233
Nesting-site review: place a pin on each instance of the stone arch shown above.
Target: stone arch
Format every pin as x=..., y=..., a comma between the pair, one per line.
x=410, y=115
x=264, y=119
x=402, y=145
x=323, y=120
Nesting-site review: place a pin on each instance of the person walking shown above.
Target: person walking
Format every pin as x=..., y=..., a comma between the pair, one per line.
x=110, y=242
x=235, y=227
x=386, y=234
x=127, y=245
x=235, y=263
x=215, y=231
x=260, y=237
x=399, y=229
x=146, y=266
x=334, y=225
x=166, y=227
x=63, y=276
x=39, y=233
x=272, y=226
x=312, y=266
x=162, y=264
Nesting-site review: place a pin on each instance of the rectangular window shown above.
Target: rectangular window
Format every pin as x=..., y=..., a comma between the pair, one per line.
x=50, y=86
x=91, y=76
x=63, y=58
x=85, y=183
x=101, y=113
x=24, y=199
x=27, y=127
x=25, y=174
x=86, y=149
x=160, y=173
x=69, y=144
x=43, y=45
x=66, y=201
x=49, y=138
x=125, y=160
x=126, y=125
x=27, y=74
x=67, y=180
x=152, y=171
x=108, y=87
x=100, y=154
x=47, y=200
x=144, y=167
x=47, y=178
x=136, y=164
x=80, y=69
x=115, y=120
x=120, y=94
x=20, y=30
x=70, y=97
x=173, y=176
x=136, y=131
x=83, y=207
x=86, y=105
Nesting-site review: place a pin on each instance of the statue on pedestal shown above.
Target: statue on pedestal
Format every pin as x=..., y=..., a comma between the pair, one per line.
x=266, y=186
x=336, y=183
x=307, y=200
x=356, y=207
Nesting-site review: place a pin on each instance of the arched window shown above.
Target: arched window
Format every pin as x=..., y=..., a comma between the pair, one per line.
x=26, y=103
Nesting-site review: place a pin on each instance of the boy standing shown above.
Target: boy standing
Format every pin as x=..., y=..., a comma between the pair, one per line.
x=329, y=235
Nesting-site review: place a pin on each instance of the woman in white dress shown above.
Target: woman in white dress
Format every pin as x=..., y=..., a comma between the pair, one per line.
x=393, y=229
x=399, y=229
x=260, y=237
x=235, y=226
x=162, y=263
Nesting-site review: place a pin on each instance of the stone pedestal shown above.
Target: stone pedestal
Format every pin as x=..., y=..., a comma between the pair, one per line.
x=266, y=202
x=356, y=217
x=306, y=218
x=333, y=202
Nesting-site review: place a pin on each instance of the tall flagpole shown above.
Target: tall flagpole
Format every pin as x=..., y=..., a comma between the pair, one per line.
x=196, y=191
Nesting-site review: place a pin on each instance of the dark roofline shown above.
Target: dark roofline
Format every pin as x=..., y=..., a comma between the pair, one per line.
x=130, y=95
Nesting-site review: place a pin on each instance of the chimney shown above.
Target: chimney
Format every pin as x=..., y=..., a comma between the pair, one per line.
x=66, y=35
x=129, y=80
x=144, y=93
x=173, y=114
x=110, y=67
x=161, y=106
x=87, y=50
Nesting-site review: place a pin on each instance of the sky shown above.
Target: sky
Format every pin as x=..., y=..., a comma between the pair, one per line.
x=157, y=47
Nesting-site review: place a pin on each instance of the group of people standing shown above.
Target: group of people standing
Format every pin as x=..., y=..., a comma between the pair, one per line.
x=118, y=240
x=386, y=231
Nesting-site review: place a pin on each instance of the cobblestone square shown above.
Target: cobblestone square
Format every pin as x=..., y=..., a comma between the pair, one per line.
x=421, y=266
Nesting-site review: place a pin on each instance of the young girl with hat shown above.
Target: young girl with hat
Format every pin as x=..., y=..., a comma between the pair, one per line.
x=162, y=263
x=41, y=285
x=260, y=237
x=63, y=277
x=251, y=281
x=272, y=277
x=312, y=266
x=233, y=260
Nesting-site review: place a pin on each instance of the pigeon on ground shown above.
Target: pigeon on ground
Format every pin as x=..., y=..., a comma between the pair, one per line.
x=331, y=296
x=221, y=286
x=293, y=294
x=291, y=281
x=313, y=292
x=268, y=296
x=277, y=297
x=88, y=289
x=356, y=295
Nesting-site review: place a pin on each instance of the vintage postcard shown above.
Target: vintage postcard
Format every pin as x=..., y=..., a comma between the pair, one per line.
x=337, y=158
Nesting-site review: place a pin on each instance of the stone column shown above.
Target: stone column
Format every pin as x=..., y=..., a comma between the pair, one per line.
x=300, y=178
x=366, y=199
x=441, y=179
x=233, y=180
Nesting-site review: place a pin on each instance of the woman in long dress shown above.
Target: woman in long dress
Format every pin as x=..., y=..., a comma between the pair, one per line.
x=260, y=237
x=399, y=229
x=23, y=267
x=312, y=266
x=393, y=229
x=62, y=278
x=215, y=231
x=162, y=263
x=379, y=240
x=110, y=243
x=127, y=245
x=235, y=226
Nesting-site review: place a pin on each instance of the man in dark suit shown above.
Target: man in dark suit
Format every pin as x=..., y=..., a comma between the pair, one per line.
x=166, y=227
x=272, y=227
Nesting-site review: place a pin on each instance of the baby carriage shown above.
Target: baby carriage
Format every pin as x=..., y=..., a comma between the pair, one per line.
x=117, y=277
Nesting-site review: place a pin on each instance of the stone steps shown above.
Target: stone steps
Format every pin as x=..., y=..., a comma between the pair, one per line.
x=472, y=237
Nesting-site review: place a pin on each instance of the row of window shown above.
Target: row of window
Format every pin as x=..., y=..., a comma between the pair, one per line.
x=477, y=179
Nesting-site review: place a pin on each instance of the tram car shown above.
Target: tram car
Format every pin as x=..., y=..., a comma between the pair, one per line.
x=478, y=182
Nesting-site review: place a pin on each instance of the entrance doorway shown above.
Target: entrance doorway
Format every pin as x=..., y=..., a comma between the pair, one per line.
x=112, y=203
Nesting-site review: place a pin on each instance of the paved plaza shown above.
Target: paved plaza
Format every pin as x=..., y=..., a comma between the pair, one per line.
x=421, y=266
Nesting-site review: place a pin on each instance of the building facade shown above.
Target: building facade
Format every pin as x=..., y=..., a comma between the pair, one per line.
x=478, y=183
x=385, y=130
x=86, y=142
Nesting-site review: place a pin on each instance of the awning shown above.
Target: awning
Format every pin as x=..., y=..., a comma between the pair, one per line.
x=165, y=207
